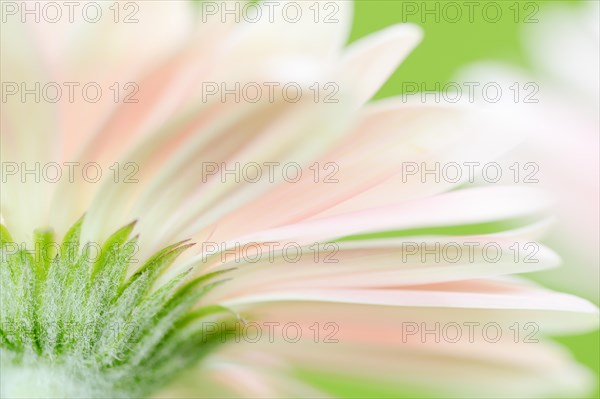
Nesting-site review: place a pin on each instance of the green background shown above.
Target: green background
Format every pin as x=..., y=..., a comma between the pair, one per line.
x=448, y=46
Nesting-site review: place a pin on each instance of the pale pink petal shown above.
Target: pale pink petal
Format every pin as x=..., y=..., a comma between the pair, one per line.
x=370, y=61
x=502, y=301
x=455, y=208
x=370, y=264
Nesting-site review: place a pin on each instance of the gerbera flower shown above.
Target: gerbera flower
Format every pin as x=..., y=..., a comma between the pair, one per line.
x=368, y=286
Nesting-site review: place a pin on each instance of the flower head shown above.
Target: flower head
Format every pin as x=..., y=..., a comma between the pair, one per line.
x=312, y=272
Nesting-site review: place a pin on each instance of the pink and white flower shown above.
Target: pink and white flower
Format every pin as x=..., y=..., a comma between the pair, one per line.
x=381, y=295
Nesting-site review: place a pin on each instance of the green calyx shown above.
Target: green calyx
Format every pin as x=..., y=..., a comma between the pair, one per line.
x=74, y=324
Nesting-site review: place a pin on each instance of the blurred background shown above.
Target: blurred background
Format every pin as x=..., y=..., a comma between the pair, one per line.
x=520, y=38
